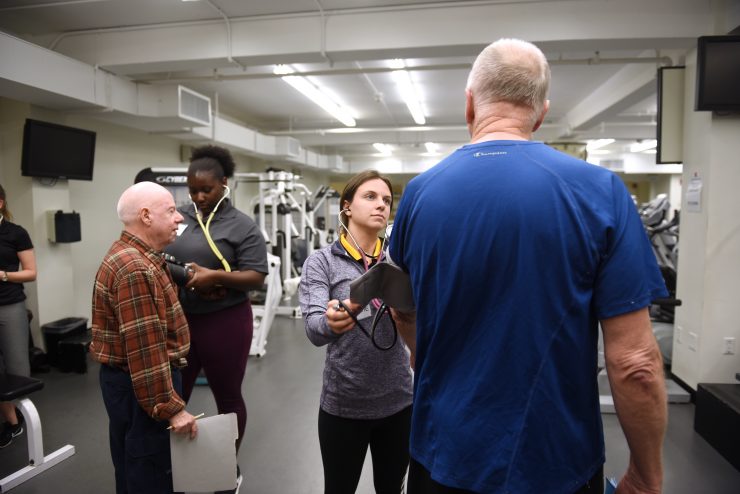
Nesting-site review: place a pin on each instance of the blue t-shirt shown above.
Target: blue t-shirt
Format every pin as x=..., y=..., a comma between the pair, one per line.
x=515, y=251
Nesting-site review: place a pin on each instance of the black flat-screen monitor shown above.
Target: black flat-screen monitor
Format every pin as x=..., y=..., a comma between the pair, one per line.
x=718, y=73
x=57, y=151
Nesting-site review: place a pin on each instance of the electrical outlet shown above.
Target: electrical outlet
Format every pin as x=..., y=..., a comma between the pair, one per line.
x=679, y=334
x=729, y=346
x=693, y=341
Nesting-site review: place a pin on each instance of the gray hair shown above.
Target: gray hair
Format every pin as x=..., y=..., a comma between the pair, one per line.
x=513, y=71
x=137, y=197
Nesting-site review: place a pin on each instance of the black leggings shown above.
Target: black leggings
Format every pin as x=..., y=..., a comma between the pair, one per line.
x=420, y=482
x=344, y=444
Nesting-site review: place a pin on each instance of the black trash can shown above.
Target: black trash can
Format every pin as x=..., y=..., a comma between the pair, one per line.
x=72, y=353
x=58, y=330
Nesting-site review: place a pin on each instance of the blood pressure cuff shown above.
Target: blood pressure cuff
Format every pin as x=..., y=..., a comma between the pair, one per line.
x=386, y=282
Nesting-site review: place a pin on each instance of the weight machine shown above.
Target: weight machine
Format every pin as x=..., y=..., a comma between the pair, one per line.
x=285, y=213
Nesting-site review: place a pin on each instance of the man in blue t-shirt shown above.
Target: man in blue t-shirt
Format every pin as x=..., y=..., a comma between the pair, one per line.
x=516, y=252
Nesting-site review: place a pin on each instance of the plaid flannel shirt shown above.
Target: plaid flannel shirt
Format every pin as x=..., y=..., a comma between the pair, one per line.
x=138, y=324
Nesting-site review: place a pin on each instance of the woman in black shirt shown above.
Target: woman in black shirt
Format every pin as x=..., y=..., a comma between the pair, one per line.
x=17, y=266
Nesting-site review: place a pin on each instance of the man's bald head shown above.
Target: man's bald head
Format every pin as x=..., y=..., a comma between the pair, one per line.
x=137, y=197
x=148, y=212
x=511, y=71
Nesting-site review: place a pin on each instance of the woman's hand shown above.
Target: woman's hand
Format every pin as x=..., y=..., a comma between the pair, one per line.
x=337, y=318
x=203, y=281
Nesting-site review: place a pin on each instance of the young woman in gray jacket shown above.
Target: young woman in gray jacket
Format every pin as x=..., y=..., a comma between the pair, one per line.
x=367, y=388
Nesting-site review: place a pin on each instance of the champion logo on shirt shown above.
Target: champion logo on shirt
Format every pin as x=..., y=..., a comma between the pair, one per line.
x=491, y=153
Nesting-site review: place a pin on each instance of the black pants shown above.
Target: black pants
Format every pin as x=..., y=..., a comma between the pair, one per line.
x=420, y=482
x=344, y=444
x=139, y=445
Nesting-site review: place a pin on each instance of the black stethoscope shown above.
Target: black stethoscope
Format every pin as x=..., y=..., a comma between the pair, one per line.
x=373, y=327
x=381, y=307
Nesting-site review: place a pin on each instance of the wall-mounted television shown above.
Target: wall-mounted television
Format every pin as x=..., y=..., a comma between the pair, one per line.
x=718, y=73
x=57, y=151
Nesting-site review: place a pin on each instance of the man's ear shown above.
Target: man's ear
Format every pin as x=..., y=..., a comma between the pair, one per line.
x=469, y=107
x=145, y=216
x=541, y=119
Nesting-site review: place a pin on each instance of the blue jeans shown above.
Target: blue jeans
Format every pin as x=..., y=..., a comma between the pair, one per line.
x=139, y=445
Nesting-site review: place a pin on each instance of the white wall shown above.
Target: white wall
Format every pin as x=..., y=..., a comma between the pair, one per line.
x=709, y=261
x=119, y=155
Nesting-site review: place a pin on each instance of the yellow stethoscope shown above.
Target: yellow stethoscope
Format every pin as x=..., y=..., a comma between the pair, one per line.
x=207, y=232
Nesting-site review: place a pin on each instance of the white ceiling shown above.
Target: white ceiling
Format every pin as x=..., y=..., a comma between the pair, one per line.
x=598, y=88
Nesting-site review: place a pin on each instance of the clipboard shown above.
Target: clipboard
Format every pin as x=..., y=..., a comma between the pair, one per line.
x=208, y=462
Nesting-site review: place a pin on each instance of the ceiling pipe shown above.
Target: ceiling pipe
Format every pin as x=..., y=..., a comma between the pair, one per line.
x=323, y=34
x=664, y=60
x=228, y=34
x=294, y=15
x=363, y=130
x=377, y=95
x=48, y=4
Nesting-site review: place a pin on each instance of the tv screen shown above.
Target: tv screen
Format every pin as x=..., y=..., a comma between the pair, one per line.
x=718, y=73
x=57, y=151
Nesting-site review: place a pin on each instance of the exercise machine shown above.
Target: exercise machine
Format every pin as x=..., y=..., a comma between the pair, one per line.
x=285, y=211
x=264, y=313
x=17, y=388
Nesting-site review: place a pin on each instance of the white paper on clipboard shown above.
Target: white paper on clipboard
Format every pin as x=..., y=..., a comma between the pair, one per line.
x=208, y=462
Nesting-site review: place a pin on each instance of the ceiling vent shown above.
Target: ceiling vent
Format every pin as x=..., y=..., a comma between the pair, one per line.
x=287, y=146
x=193, y=106
x=335, y=162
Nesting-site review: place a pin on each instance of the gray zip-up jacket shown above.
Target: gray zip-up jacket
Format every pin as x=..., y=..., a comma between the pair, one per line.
x=360, y=381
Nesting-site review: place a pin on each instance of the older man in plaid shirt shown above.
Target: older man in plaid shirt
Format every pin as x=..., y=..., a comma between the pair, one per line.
x=140, y=337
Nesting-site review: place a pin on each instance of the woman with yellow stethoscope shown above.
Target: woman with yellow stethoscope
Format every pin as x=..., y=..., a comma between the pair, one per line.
x=226, y=253
x=367, y=384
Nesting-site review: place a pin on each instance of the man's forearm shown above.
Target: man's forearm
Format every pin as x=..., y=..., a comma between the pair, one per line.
x=635, y=371
x=640, y=402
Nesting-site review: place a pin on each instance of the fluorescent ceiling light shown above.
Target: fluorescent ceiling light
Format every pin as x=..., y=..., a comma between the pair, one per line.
x=599, y=151
x=408, y=90
x=432, y=149
x=639, y=147
x=315, y=94
x=597, y=143
x=383, y=149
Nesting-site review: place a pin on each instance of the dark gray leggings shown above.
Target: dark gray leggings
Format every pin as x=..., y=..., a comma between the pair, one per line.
x=14, y=340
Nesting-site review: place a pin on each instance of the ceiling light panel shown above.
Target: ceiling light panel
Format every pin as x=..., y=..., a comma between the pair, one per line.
x=597, y=144
x=408, y=90
x=645, y=145
x=320, y=96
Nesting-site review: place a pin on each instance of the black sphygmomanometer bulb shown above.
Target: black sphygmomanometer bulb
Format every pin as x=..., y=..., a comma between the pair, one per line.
x=179, y=270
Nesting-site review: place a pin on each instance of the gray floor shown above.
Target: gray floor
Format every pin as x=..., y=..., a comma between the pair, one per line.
x=280, y=453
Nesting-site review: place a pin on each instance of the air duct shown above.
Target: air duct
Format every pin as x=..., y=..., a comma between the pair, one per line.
x=173, y=110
